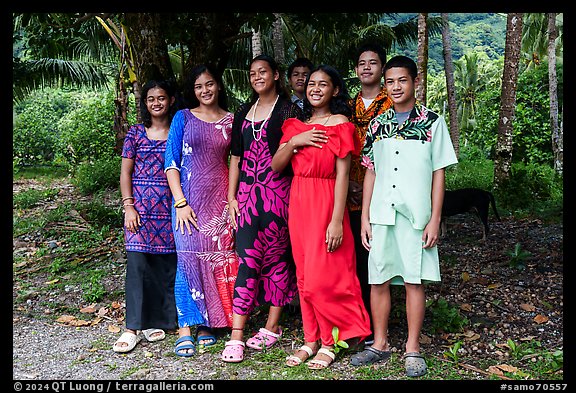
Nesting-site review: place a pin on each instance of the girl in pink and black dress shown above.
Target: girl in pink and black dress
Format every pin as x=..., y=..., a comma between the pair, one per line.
x=258, y=207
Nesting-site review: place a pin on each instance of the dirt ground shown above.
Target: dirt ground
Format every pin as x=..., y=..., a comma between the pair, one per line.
x=500, y=297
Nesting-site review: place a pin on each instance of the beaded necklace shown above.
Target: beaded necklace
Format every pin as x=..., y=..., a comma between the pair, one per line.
x=257, y=133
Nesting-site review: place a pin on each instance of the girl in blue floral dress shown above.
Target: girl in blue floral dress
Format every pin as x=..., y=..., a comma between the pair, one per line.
x=148, y=236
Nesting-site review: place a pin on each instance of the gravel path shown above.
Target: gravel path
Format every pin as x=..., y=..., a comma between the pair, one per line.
x=50, y=351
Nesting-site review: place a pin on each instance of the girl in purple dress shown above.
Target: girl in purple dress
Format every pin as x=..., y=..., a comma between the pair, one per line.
x=149, y=242
x=197, y=170
x=258, y=207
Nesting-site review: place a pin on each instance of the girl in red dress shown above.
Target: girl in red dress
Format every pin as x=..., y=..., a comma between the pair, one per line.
x=320, y=150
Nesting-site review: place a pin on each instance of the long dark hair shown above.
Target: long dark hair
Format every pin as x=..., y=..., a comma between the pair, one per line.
x=338, y=104
x=190, y=99
x=170, y=90
x=280, y=86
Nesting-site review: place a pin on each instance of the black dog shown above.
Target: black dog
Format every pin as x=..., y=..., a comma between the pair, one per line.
x=467, y=200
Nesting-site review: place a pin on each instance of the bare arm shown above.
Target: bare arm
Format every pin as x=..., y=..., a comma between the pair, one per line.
x=131, y=217
x=283, y=156
x=368, y=190
x=430, y=235
x=185, y=216
x=334, y=232
x=285, y=152
x=233, y=179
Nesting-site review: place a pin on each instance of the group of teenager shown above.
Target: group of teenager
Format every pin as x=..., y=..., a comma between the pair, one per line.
x=311, y=196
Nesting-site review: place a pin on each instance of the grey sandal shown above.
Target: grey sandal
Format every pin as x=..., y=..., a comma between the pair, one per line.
x=415, y=364
x=368, y=356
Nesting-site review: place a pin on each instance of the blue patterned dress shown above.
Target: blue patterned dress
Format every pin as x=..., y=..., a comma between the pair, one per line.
x=151, y=252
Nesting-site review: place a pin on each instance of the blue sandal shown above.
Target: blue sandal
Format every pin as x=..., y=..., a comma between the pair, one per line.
x=209, y=338
x=178, y=348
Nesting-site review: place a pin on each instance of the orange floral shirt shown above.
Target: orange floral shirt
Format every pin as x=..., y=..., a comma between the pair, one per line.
x=361, y=117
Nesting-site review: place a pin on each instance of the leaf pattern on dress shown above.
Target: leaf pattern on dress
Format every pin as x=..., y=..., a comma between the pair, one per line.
x=219, y=229
x=261, y=180
x=273, y=275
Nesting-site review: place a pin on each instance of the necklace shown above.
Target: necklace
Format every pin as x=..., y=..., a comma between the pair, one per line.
x=257, y=133
x=322, y=117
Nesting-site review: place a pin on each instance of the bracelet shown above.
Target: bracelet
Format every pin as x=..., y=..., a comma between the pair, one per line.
x=125, y=198
x=180, y=202
x=128, y=204
x=181, y=205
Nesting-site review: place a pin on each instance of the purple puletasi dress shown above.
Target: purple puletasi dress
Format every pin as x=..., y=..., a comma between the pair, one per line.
x=207, y=262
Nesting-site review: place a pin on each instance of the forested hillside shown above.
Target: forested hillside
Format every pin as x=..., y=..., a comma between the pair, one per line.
x=469, y=31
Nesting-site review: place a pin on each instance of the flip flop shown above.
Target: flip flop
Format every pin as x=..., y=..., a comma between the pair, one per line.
x=209, y=338
x=369, y=355
x=152, y=334
x=178, y=348
x=129, y=338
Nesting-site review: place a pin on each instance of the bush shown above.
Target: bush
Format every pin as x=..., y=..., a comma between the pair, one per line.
x=35, y=132
x=99, y=175
x=446, y=318
x=87, y=133
x=473, y=170
x=530, y=186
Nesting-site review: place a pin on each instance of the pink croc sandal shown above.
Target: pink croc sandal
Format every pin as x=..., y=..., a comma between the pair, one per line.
x=233, y=351
x=264, y=339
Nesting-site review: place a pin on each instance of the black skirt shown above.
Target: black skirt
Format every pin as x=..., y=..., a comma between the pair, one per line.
x=149, y=291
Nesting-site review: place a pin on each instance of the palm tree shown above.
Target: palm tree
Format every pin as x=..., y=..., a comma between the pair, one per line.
x=450, y=88
x=503, y=159
x=469, y=83
x=76, y=53
x=557, y=133
x=422, y=57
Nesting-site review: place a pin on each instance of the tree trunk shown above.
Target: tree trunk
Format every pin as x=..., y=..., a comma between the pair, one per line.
x=553, y=91
x=422, y=57
x=120, y=116
x=450, y=88
x=278, y=40
x=503, y=159
x=146, y=33
x=256, y=43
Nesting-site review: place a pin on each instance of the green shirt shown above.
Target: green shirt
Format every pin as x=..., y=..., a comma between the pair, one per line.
x=404, y=156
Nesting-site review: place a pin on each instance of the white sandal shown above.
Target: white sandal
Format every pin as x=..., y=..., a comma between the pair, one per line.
x=148, y=333
x=296, y=359
x=129, y=338
x=322, y=363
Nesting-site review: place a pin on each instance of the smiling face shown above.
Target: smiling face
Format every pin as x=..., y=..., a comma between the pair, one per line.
x=206, y=89
x=262, y=78
x=369, y=68
x=320, y=89
x=158, y=102
x=400, y=88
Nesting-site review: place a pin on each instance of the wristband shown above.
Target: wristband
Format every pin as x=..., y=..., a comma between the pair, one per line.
x=181, y=205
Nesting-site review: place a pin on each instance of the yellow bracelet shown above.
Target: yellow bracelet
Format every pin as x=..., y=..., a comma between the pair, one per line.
x=179, y=202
